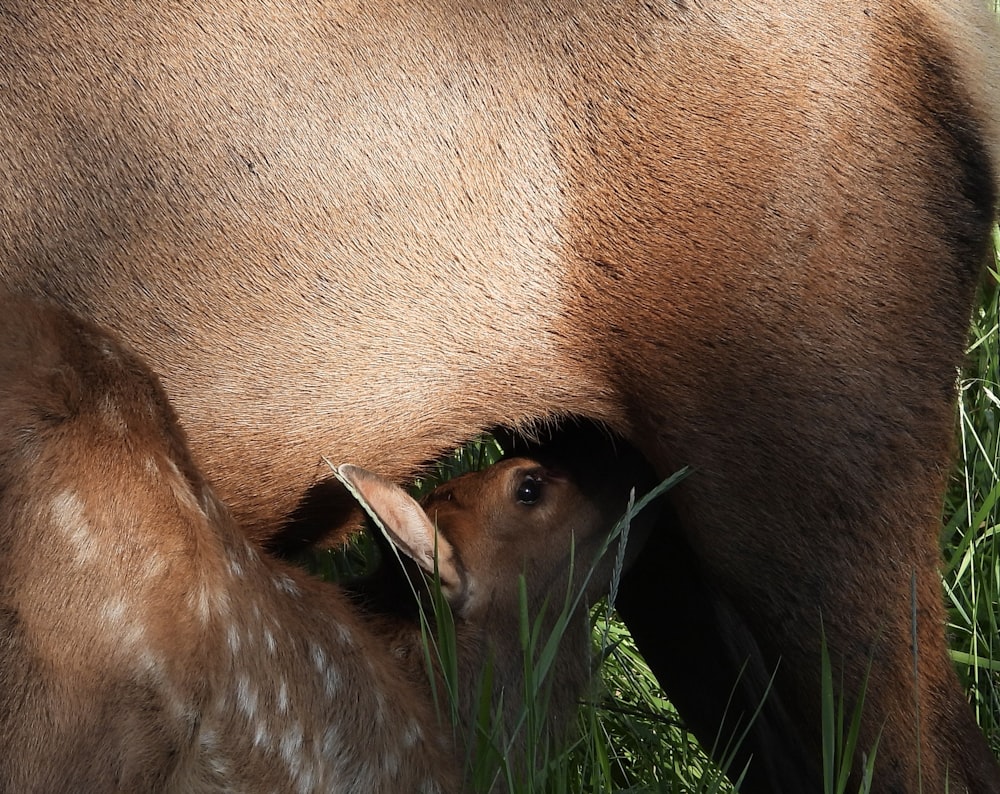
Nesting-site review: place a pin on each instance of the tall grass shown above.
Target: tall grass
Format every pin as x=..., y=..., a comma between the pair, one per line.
x=972, y=516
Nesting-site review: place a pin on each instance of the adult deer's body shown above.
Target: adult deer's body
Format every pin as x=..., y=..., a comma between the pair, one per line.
x=145, y=645
x=745, y=236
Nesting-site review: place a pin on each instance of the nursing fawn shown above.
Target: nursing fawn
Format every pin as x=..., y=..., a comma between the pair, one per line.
x=147, y=645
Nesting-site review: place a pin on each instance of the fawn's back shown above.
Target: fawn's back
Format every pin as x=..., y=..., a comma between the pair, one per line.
x=145, y=645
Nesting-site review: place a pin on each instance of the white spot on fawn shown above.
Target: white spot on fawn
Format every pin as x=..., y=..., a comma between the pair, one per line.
x=331, y=682
x=150, y=664
x=290, y=747
x=246, y=696
x=305, y=780
x=233, y=636
x=412, y=735
x=269, y=641
x=67, y=513
x=222, y=602
x=235, y=568
x=208, y=739
x=84, y=543
x=283, y=583
x=331, y=741
x=113, y=613
x=318, y=657
x=283, y=697
x=261, y=736
x=219, y=766
x=126, y=627
x=344, y=634
x=200, y=602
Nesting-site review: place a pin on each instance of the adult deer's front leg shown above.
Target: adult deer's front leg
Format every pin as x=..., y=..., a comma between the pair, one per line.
x=813, y=513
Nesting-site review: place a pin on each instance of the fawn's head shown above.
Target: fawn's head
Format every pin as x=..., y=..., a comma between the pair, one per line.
x=520, y=516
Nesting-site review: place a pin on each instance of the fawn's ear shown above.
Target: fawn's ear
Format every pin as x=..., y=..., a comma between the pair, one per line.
x=404, y=522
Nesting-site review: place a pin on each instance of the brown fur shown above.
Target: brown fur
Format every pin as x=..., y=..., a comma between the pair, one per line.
x=744, y=236
x=146, y=646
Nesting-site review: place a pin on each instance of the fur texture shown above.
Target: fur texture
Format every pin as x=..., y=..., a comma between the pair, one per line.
x=744, y=236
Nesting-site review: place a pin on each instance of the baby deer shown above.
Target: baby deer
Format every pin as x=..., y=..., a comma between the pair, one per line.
x=146, y=645
x=481, y=532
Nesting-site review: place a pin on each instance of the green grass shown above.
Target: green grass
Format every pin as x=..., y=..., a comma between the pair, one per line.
x=972, y=518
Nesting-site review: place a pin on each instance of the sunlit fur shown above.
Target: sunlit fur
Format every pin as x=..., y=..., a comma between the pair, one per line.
x=745, y=236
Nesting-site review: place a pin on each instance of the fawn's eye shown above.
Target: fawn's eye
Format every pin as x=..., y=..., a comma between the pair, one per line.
x=530, y=490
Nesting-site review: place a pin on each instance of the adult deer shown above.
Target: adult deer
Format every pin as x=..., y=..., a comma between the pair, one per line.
x=744, y=236
x=146, y=645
